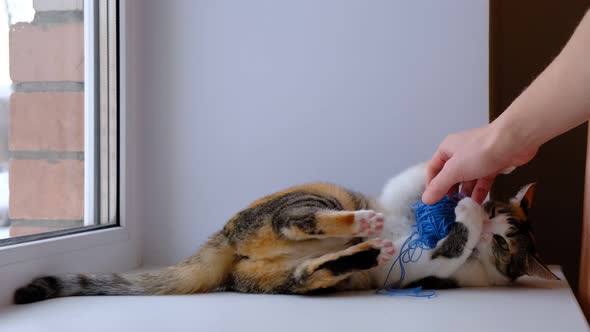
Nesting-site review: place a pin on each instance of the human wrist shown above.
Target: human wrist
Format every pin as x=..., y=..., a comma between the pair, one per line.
x=513, y=141
x=523, y=122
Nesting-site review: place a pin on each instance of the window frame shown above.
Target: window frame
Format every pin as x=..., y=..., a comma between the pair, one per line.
x=90, y=240
x=101, y=105
x=102, y=91
x=108, y=81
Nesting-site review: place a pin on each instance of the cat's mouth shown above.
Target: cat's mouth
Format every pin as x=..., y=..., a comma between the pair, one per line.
x=486, y=238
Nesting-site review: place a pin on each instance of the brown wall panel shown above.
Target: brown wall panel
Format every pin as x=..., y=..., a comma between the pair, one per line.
x=525, y=35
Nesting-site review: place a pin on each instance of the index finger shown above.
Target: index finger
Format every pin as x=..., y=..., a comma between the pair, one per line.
x=441, y=183
x=482, y=188
x=435, y=165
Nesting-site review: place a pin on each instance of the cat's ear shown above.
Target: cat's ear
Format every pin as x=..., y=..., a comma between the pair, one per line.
x=524, y=197
x=536, y=268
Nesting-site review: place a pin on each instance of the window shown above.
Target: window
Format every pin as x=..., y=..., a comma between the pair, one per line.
x=58, y=117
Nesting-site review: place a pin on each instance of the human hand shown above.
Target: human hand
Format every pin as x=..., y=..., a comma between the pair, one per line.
x=473, y=158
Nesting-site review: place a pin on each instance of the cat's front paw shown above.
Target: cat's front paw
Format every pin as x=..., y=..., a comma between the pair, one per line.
x=387, y=250
x=471, y=214
x=368, y=222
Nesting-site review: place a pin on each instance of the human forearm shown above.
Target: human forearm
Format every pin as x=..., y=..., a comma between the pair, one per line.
x=558, y=100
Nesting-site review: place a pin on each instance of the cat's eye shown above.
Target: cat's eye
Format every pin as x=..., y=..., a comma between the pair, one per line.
x=500, y=241
x=493, y=212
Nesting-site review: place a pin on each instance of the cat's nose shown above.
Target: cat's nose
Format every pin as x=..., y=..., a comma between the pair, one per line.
x=486, y=237
x=487, y=227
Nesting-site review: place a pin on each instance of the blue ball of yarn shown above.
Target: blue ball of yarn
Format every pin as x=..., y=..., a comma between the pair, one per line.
x=434, y=221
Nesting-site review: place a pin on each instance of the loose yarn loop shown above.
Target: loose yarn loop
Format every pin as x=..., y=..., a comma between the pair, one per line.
x=411, y=251
x=433, y=223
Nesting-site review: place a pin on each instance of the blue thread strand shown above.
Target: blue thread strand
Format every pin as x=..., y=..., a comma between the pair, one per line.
x=415, y=292
x=433, y=223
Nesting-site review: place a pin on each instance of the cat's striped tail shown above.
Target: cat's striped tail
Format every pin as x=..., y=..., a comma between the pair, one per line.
x=203, y=272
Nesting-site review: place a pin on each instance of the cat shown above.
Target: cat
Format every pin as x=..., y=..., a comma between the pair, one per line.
x=320, y=237
x=490, y=245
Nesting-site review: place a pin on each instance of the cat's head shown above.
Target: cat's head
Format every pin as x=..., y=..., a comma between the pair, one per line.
x=507, y=246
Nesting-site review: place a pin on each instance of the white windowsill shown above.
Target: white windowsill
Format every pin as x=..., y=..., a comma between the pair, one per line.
x=57, y=245
x=533, y=305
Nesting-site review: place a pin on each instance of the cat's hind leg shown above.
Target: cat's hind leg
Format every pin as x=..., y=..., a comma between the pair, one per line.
x=329, y=270
x=304, y=223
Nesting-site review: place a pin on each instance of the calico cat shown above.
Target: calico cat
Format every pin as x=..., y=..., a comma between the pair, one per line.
x=489, y=245
x=321, y=237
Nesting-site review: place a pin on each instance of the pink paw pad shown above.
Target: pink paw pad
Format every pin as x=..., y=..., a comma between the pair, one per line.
x=387, y=250
x=368, y=222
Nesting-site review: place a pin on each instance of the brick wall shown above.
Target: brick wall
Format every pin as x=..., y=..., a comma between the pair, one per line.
x=46, y=119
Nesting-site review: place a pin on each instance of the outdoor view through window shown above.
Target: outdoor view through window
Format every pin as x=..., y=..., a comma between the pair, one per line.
x=42, y=143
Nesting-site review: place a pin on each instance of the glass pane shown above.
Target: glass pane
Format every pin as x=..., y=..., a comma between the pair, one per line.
x=41, y=116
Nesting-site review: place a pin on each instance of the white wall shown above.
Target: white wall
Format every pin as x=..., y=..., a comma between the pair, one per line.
x=243, y=98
